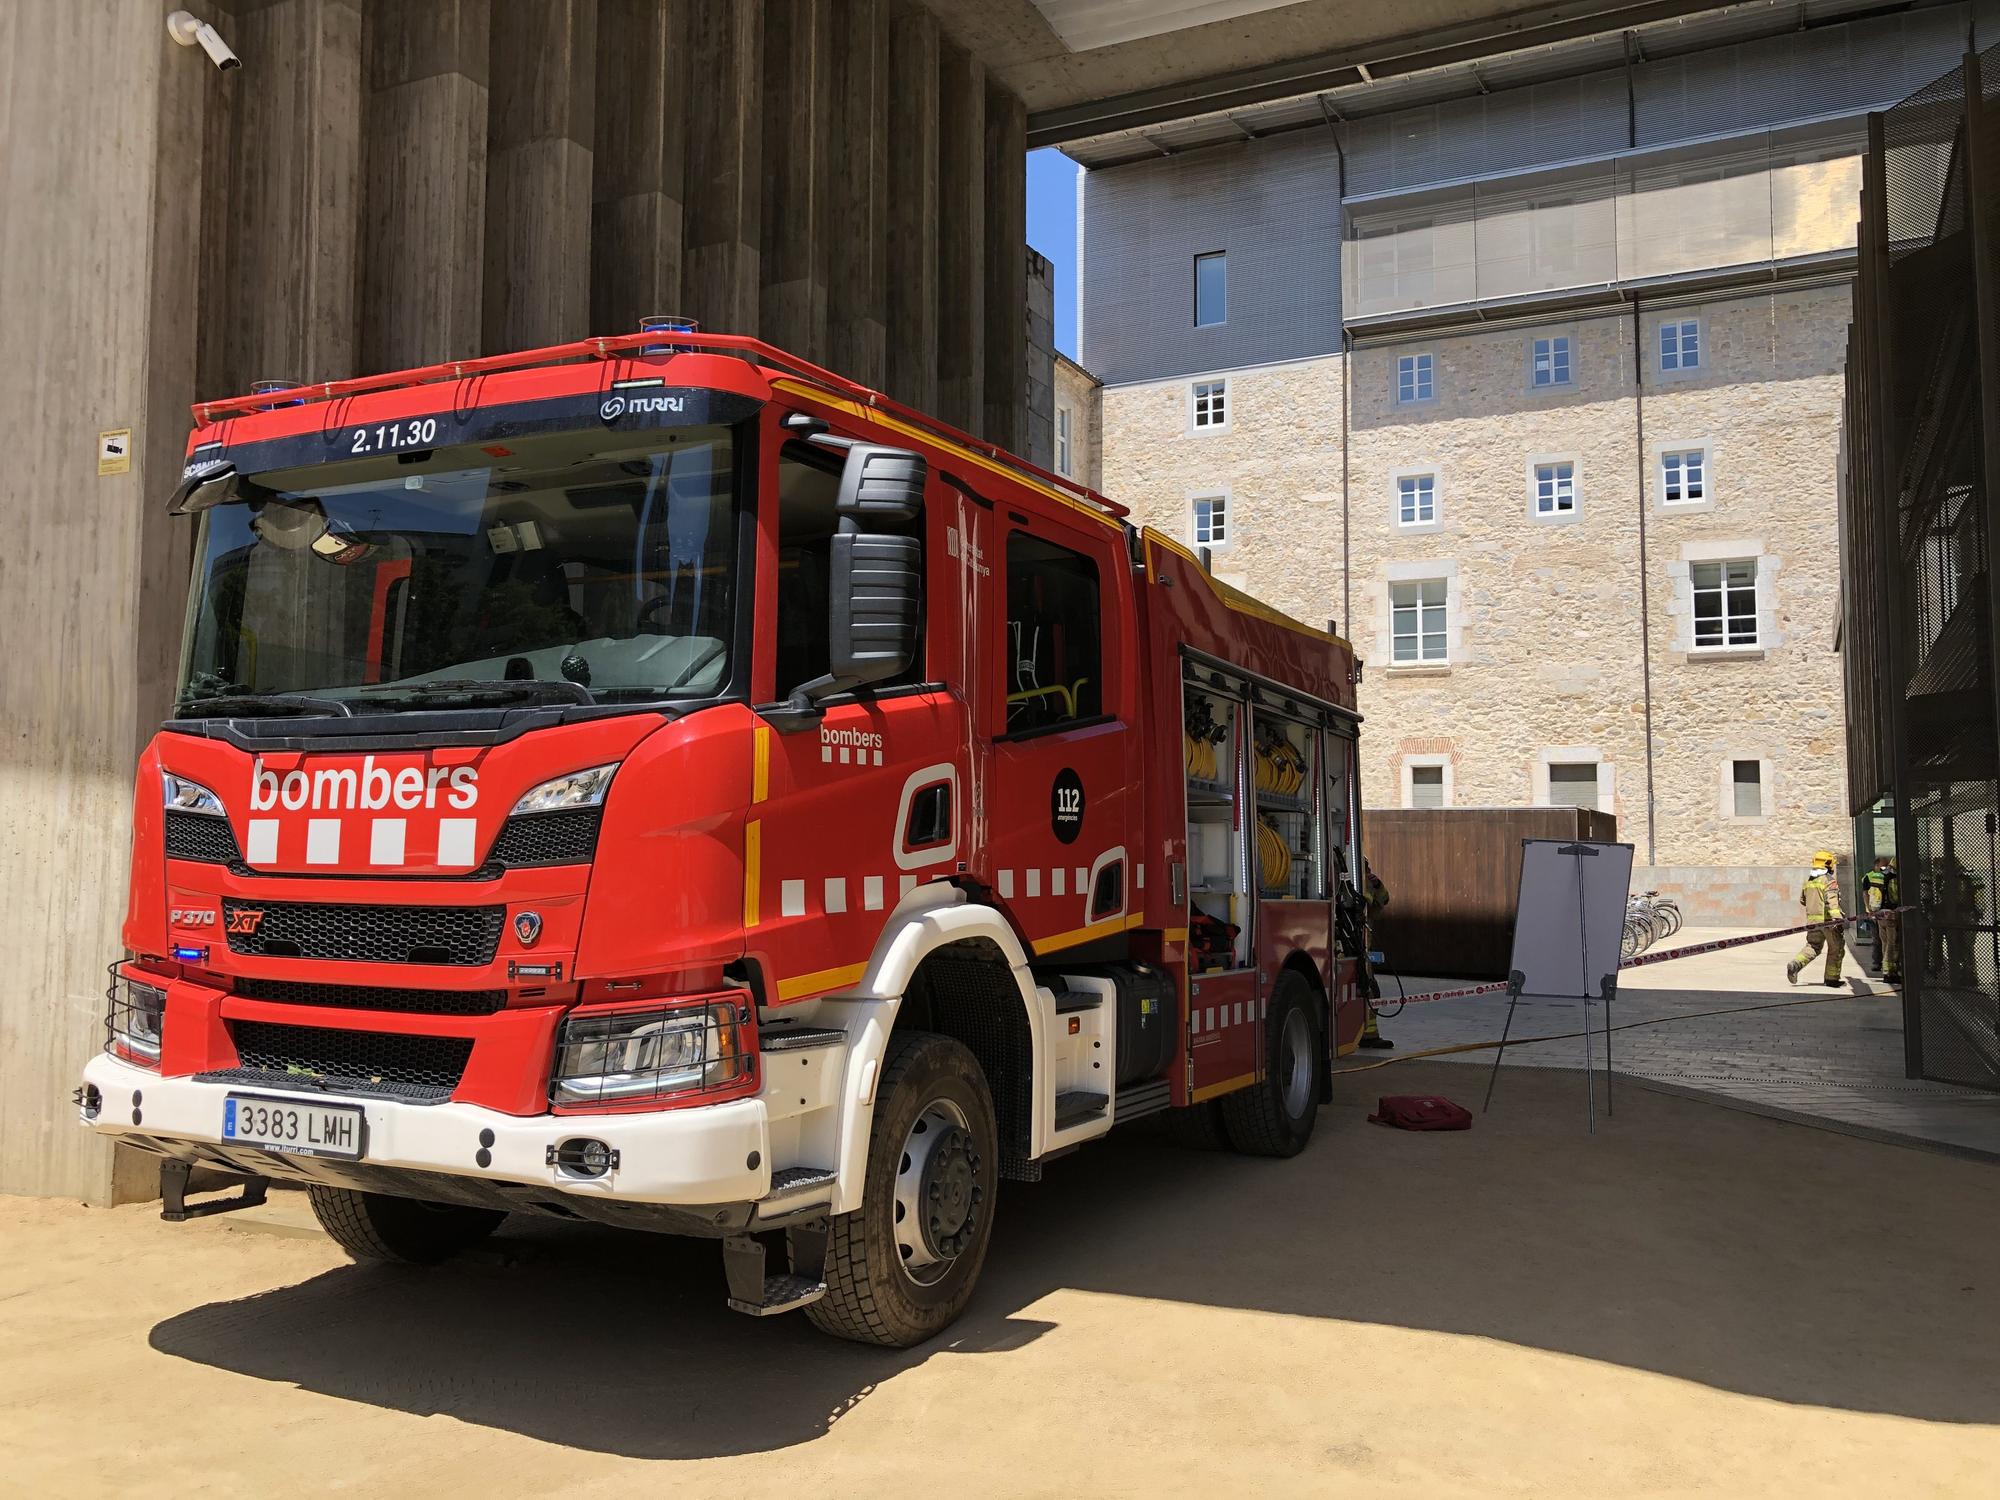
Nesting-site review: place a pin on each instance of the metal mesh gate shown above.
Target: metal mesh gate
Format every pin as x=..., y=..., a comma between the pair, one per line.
x=1923, y=447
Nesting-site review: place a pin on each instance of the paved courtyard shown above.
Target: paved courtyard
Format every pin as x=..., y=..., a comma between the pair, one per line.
x=1837, y=1063
x=1692, y=1301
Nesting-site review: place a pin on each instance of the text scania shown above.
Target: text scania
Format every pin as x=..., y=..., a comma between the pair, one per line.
x=368, y=788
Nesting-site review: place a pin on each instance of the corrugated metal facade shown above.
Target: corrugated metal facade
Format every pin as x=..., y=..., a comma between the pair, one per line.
x=1272, y=206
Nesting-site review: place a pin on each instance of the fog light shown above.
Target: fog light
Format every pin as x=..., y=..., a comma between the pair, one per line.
x=583, y=1156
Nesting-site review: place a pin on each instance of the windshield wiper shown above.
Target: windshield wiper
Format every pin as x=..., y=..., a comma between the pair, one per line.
x=539, y=690
x=254, y=704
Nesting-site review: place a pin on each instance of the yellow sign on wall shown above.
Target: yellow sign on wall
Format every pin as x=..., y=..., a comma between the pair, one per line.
x=114, y=452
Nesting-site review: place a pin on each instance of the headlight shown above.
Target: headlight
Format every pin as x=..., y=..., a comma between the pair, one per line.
x=183, y=795
x=566, y=793
x=624, y=1056
x=134, y=1019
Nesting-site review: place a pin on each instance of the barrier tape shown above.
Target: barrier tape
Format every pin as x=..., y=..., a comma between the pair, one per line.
x=1499, y=986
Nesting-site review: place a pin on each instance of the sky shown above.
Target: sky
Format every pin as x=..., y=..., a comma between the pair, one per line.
x=1052, y=230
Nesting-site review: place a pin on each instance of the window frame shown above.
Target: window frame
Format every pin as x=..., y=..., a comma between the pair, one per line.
x=1107, y=702
x=1216, y=497
x=1219, y=396
x=1418, y=523
x=1596, y=778
x=1430, y=762
x=1423, y=378
x=1555, y=517
x=1222, y=319
x=1727, y=787
x=1421, y=633
x=1550, y=756
x=1723, y=587
x=1680, y=449
x=1065, y=438
x=1681, y=327
x=1568, y=342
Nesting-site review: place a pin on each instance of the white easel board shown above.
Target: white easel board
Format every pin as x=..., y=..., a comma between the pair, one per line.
x=1569, y=920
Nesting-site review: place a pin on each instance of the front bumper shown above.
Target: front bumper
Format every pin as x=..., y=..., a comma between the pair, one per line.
x=709, y=1158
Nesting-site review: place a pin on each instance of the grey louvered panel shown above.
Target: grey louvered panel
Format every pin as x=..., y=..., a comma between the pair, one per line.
x=1525, y=127
x=1272, y=206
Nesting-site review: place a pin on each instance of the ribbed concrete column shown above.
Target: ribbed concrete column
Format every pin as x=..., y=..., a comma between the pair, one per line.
x=424, y=226
x=799, y=127
x=720, y=280
x=913, y=208
x=1006, y=241
x=641, y=162
x=292, y=225
x=540, y=134
x=858, y=193
x=961, y=238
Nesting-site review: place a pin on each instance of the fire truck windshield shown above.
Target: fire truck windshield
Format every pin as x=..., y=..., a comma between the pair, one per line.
x=551, y=566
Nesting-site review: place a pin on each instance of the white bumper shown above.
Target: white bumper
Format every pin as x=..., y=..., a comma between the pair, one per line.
x=700, y=1155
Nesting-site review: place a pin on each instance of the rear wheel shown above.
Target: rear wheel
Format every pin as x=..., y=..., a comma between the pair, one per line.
x=376, y=1226
x=901, y=1267
x=1275, y=1116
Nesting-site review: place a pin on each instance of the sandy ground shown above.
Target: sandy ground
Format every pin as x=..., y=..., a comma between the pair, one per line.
x=1694, y=1300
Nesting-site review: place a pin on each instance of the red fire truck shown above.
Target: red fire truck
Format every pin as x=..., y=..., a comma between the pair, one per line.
x=656, y=781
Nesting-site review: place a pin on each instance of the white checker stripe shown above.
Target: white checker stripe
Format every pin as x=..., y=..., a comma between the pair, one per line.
x=455, y=840
x=845, y=754
x=1139, y=873
x=1208, y=1019
x=826, y=755
x=1056, y=878
x=871, y=893
x=322, y=841
x=1082, y=879
x=263, y=841
x=836, y=894
x=903, y=887
x=878, y=757
x=1035, y=881
x=385, y=841
x=792, y=898
x=1006, y=885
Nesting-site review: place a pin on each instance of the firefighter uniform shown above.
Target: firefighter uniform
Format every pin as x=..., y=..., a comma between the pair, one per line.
x=1375, y=895
x=1957, y=908
x=1820, y=897
x=1881, y=894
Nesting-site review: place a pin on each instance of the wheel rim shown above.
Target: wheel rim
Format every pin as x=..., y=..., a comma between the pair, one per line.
x=1295, y=1064
x=940, y=1201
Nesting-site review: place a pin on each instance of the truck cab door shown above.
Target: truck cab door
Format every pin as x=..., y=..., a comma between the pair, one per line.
x=1059, y=799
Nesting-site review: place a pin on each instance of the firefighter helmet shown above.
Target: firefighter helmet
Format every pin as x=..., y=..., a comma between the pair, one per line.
x=1824, y=859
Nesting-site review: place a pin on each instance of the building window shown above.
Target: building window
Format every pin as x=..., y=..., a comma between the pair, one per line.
x=1573, y=784
x=1680, y=345
x=1211, y=520
x=1211, y=289
x=1747, y=780
x=1414, y=381
x=1416, y=500
x=1555, y=488
x=1725, y=604
x=1063, y=462
x=1683, y=476
x=1550, y=363
x=1417, y=622
x=1426, y=786
x=1211, y=403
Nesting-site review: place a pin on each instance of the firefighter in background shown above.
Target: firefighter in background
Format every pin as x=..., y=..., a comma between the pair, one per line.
x=1957, y=907
x=1375, y=896
x=1881, y=894
x=1820, y=896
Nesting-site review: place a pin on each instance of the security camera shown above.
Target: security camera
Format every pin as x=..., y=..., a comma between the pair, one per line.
x=191, y=32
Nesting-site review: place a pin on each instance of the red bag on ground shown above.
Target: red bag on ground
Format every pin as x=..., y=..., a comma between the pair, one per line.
x=1420, y=1112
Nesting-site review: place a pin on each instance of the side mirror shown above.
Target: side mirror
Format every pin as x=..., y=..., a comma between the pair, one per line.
x=883, y=486
x=873, y=583
x=202, y=486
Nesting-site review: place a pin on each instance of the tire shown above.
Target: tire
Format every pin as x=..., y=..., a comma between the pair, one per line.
x=873, y=1294
x=1197, y=1126
x=376, y=1226
x=1275, y=1116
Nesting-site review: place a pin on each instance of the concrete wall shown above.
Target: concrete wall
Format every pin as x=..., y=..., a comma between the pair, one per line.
x=1544, y=620
x=382, y=185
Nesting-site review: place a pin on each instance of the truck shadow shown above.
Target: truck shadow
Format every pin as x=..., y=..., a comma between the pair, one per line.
x=1705, y=1244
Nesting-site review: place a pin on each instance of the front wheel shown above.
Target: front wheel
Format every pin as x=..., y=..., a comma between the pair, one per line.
x=1275, y=1115
x=902, y=1266
x=376, y=1226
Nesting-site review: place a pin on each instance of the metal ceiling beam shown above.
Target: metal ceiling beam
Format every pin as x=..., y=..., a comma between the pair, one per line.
x=1512, y=31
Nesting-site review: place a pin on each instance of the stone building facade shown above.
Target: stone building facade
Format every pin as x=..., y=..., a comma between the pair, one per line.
x=1567, y=474
x=1077, y=423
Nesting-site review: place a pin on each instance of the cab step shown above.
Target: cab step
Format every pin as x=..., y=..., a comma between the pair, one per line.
x=782, y=1294
x=788, y=1180
x=799, y=1038
x=1076, y=1108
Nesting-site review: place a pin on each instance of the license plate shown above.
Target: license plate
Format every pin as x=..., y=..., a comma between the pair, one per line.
x=296, y=1128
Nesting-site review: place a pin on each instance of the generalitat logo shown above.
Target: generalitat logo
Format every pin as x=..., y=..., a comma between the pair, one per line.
x=366, y=788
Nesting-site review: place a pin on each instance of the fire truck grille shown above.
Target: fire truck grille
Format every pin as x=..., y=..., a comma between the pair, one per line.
x=375, y=997
x=365, y=934
x=200, y=836
x=357, y=1062
x=561, y=838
